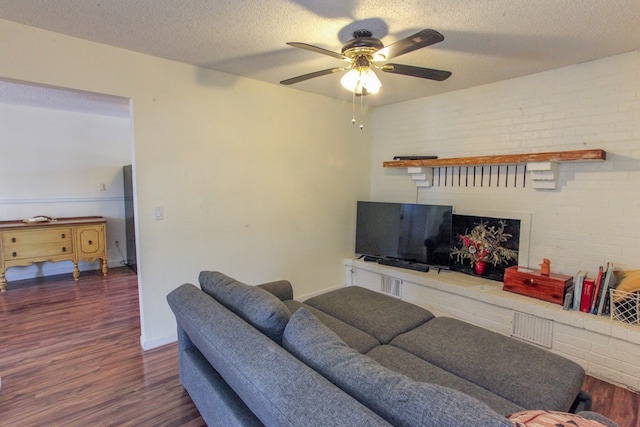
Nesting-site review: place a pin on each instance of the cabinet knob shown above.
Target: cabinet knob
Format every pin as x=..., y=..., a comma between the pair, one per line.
x=529, y=282
x=14, y=254
x=63, y=235
x=13, y=240
x=90, y=242
x=64, y=249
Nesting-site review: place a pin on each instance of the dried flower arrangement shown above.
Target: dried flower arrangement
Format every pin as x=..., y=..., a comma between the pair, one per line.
x=484, y=244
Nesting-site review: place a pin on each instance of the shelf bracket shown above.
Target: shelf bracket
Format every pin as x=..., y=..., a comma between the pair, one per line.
x=423, y=177
x=543, y=175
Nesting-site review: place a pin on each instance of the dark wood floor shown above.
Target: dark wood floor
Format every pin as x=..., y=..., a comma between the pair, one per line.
x=617, y=403
x=70, y=355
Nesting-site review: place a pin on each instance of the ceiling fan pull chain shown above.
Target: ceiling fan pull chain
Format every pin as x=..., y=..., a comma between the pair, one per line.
x=361, y=102
x=353, y=108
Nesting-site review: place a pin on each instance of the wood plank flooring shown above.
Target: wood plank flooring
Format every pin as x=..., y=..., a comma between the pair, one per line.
x=617, y=403
x=70, y=355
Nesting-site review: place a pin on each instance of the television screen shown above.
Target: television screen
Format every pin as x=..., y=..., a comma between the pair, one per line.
x=404, y=231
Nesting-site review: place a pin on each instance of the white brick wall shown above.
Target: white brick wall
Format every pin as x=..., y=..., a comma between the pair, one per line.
x=592, y=217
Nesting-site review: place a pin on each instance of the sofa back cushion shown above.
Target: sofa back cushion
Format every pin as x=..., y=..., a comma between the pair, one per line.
x=381, y=316
x=397, y=398
x=352, y=336
x=259, y=308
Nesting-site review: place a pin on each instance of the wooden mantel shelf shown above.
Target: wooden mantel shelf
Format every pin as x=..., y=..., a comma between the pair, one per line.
x=558, y=156
x=542, y=167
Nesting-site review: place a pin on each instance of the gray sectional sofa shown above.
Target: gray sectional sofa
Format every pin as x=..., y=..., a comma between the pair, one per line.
x=252, y=355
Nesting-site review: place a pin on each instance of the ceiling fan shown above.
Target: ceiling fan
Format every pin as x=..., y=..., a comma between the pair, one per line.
x=364, y=52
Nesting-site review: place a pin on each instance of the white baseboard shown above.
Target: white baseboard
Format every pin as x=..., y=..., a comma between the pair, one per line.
x=151, y=344
x=313, y=294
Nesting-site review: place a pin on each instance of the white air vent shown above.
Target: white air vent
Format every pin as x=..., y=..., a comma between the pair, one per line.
x=533, y=329
x=391, y=286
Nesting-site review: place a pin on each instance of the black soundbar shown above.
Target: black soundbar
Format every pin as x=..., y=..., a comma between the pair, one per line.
x=416, y=266
x=415, y=157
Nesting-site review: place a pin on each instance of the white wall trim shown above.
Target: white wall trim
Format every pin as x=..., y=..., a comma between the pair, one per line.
x=55, y=268
x=61, y=200
x=313, y=294
x=151, y=344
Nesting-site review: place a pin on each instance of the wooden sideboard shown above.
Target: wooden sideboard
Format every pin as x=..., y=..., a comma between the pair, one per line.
x=62, y=239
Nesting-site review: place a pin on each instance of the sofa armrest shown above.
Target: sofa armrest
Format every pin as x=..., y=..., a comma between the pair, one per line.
x=184, y=342
x=282, y=289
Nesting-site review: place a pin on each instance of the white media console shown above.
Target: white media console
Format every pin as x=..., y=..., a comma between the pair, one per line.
x=607, y=349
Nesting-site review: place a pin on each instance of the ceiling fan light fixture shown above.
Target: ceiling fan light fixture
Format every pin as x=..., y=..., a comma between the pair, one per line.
x=362, y=52
x=357, y=79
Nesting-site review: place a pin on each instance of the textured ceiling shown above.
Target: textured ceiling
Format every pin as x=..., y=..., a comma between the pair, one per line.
x=485, y=40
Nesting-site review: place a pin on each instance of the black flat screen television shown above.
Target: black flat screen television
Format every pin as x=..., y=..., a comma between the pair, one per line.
x=404, y=231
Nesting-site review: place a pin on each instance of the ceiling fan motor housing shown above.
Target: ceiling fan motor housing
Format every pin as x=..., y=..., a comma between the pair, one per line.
x=361, y=44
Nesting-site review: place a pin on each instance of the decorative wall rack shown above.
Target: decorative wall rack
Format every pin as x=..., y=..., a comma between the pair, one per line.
x=508, y=170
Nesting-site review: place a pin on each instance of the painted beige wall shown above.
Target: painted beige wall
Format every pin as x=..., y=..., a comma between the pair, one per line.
x=255, y=180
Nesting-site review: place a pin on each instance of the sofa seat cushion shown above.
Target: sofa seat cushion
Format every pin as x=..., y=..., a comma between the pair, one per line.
x=260, y=308
x=522, y=373
x=394, y=396
x=354, y=337
x=420, y=370
x=381, y=316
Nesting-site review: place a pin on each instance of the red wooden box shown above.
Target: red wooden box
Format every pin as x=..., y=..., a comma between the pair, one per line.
x=529, y=282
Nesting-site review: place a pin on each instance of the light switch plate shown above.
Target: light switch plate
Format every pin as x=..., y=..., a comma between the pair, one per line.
x=157, y=213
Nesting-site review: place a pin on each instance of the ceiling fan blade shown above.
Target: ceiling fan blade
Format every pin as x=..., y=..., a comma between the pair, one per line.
x=423, y=73
x=319, y=50
x=311, y=76
x=418, y=40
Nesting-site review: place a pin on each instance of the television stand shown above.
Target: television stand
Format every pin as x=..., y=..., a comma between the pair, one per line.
x=416, y=266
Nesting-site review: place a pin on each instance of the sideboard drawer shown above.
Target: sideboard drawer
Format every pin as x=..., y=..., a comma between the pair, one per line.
x=37, y=243
x=35, y=237
x=43, y=250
